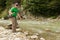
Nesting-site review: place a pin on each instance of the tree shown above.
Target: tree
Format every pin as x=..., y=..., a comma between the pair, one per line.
x=45, y=8
x=2, y=5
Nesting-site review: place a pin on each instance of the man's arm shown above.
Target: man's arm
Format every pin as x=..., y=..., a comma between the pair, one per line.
x=19, y=15
x=10, y=12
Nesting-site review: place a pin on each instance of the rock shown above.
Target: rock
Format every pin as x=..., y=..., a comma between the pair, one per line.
x=3, y=39
x=40, y=31
x=21, y=35
x=34, y=36
x=26, y=33
x=2, y=18
x=42, y=38
x=48, y=30
x=17, y=39
x=9, y=26
x=18, y=29
x=1, y=28
x=57, y=31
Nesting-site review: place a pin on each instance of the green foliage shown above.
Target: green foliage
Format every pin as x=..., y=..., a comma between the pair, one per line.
x=9, y=2
x=2, y=5
x=24, y=3
x=43, y=7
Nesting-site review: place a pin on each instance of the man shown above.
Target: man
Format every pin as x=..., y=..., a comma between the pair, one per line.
x=13, y=12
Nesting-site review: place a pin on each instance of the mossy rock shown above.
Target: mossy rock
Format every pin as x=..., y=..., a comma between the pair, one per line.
x=10, y=26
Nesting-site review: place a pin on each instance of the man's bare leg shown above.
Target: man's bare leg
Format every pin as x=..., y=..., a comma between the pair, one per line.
x=14, y=24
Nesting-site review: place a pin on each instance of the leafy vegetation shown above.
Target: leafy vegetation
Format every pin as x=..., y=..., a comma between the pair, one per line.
x=46, y=8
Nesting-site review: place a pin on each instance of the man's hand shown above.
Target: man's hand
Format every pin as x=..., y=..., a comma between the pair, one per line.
x=10, y=13
x=19, y=15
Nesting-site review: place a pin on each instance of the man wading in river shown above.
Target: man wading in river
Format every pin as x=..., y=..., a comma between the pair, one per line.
x=13, y=12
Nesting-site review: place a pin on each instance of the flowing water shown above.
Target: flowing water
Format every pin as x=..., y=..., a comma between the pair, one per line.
x=46, y=30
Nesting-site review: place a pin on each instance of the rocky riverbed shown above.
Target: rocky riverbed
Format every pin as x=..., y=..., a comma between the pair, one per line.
x=36, y=30
x=7, y=34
